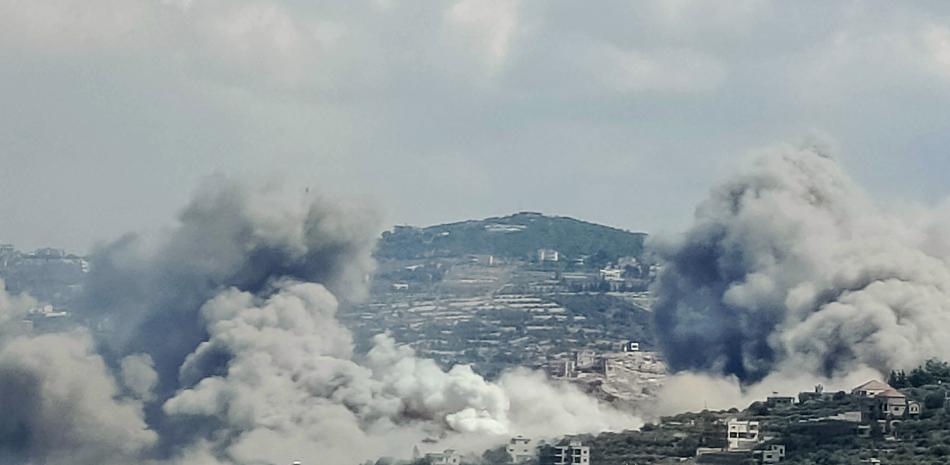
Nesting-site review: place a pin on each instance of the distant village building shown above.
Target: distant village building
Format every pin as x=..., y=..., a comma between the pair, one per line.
x=884, y=405
x=631, y=346
x=585, y=359
x=742, y=434
x=611, y=274
x=548, y=255
x=776, y=401
x=892, y=403
x=818, y=394
x=449, y=457
x=520, y=450
x=562, y=369
x=871, y=389
x=573, y=453
x=774, y=453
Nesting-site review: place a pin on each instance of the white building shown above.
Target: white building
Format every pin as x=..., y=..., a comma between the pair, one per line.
x=743, y=434
x=548, y=255
x=520, y=449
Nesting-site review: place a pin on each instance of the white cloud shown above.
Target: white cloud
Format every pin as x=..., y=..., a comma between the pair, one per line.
x=487, y=27
x=674, y=70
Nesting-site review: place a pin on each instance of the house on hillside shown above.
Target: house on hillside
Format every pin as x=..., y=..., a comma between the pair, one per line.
x=449, y=457
x=871, y=389
x=893, y=404
x=743, y=434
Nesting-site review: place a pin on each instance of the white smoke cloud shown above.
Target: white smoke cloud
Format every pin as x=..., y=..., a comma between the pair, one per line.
x=292, y=389
x=790, y=268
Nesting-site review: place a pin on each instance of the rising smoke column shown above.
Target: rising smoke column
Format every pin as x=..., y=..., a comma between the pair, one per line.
x=219, y=338
x=789, y=266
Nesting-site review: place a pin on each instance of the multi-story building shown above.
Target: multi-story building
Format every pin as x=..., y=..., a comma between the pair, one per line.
x=520, y=449
x=743, y=434
x=573, y=453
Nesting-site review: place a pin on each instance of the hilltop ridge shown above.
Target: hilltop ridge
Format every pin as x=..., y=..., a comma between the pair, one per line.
x=517, y=236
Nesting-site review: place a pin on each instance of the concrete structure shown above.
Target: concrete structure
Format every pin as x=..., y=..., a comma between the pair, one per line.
x=585, y=359
x=449, y=457
x=520, y=450
x=777, y=401
x=611, y=274
x=774, y=453
x=562, y=369
x=548, y=255
x=574, y=453
x=742, y=434
x=631, y=346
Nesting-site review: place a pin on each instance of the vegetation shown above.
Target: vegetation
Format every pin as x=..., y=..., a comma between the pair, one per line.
x=518, y=236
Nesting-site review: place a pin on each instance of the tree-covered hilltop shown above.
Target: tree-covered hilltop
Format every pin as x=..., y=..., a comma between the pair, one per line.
x=517, y=236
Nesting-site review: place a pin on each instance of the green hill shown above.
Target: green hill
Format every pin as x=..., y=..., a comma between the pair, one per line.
x=516, y=236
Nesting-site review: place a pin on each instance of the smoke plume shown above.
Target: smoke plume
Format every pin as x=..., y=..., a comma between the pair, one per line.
x=217, y=342
x=790, y=267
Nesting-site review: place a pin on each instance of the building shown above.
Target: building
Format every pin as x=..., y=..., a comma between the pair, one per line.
x=631, y=346
x=871, y=389
x=562, y=369
x=818, y=394
x=548, y=255
x=893, y=404
x=448, y=457
x=573, y=453
x=777, y=401
x=774, y=453
x=742, y=434
x=585, y=359
x=520, y=450
x=611, y=274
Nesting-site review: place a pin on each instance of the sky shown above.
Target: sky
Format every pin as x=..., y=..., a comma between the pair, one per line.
x=621, y=112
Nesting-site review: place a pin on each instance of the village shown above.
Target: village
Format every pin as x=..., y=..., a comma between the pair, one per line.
x=873, y=423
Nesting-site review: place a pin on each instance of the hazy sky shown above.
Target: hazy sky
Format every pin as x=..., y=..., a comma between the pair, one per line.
x=622, y=112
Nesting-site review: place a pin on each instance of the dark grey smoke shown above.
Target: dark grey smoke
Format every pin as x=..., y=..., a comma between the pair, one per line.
x=148, y=295
x=790, y=266
x=61, y=406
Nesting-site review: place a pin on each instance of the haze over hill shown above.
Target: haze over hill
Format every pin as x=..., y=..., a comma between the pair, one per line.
x=515, y=236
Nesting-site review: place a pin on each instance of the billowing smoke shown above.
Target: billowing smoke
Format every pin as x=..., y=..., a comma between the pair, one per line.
x=790, y=267
x=217, y=343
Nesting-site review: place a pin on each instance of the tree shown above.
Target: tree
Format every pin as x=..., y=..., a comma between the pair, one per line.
x=920, y=377
x=934, y=400
x=898, y=379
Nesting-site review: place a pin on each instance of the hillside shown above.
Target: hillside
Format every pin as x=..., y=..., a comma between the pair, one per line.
x=516, y=236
